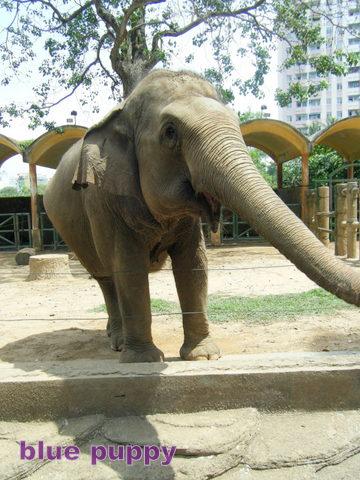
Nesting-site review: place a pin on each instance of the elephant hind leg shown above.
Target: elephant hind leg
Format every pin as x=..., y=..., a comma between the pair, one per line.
x=114, y=326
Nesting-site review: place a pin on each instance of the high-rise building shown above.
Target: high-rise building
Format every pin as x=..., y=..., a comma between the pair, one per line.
x=342, y=97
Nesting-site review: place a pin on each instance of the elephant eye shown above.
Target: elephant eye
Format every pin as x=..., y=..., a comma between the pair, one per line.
x=170, y=136
x=170, y=132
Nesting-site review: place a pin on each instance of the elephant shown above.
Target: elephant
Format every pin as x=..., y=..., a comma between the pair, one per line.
x=133, y=191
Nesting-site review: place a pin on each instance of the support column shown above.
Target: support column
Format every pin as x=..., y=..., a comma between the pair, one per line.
x=279, y=170
x=35, y=230
x=304, y=185
x=350, y=172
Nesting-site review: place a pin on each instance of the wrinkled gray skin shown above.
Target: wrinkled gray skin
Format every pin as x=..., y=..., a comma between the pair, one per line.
x=172, y=152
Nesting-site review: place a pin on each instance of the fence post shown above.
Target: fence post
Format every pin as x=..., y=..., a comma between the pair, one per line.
x=340, y=216
x=352, y=194
x=311, y=210
x=216, y=237
x=323, y=215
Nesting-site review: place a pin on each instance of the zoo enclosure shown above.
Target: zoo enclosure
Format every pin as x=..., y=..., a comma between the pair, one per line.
x=279, y=140
x=333, y=214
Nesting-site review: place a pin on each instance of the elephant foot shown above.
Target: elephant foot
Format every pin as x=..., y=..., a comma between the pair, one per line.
x=116, y=341
x=148, y=354
x=114, y=332
x=204, y=349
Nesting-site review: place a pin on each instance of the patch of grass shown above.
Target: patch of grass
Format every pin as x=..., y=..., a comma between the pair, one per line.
x=158, y=305
x=98, y=309
x=262, y=309
x=272, y=308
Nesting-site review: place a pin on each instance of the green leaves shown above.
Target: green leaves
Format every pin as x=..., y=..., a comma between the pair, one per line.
x=299, y=91
x=72, y=44
x=216, y=78
x=322, y=163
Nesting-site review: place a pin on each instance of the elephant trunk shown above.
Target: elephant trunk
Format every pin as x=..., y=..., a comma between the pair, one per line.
x=220, y=165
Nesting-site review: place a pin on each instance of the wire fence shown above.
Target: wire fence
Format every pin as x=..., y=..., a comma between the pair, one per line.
x=53, y=318
x=135, y=272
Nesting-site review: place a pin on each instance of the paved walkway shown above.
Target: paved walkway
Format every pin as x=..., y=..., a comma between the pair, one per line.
x=227, y=445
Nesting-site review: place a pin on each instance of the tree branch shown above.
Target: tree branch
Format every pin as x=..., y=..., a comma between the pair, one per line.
x=98, y=51
x=62, y=19
x=209, y=16
x=109, y=19
x=82, y=77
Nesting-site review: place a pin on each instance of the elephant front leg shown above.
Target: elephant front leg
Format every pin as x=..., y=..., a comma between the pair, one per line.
x=190, y=271
x=114, y=326
x=133, y=293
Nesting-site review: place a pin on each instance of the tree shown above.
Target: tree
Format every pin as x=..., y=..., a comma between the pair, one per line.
x=22, y=186
x=263, y=163
x=75, y=42
x=323, y=162
x=21, y=189
x=8, y=192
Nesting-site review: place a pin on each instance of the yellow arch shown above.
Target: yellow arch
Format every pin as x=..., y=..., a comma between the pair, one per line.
x=48, y=149
x=8, y=148
x=343, y=136
x=279, y=140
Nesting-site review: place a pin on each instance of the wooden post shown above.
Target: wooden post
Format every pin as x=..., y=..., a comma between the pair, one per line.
x=35, y=231
x=340, y=217
x=323, y=215
x=311, y=209
x=304, y=185
x=350, y=172
x=352, y=194
x=279, y=171
x=216, y=237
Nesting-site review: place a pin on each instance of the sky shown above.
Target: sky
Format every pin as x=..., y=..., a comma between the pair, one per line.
x=22, y=90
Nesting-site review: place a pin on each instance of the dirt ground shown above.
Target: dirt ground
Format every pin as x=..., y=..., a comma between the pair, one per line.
x=51, y=320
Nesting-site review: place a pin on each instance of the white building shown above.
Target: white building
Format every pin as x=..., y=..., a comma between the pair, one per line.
x=342, y=98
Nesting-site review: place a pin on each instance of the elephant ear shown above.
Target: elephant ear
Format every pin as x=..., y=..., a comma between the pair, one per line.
x=108, y=158
x=108, y=161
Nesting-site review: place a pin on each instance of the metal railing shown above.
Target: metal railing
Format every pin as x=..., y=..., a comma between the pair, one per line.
x=15, y=231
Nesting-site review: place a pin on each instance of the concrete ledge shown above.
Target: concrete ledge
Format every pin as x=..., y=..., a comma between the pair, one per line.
x=271, y=382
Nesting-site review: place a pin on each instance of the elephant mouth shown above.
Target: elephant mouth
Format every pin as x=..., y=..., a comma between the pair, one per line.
x=202, y=204
x=210, y=209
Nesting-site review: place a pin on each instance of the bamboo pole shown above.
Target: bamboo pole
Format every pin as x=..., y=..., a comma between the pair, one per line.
x=279, y=174
x=352, y=194
x=304, y=185
x=215, y=237
x=323, y=215
x=341, y=217
x=350, y=172
x=311, y=209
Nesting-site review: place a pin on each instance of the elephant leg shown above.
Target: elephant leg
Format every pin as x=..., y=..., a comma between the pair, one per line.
x=126, y=258
x=190, y=272
x=131, y=262
x=134, y=296
x=114, y=326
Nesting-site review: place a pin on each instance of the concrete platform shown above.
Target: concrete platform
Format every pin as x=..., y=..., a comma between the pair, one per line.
x=271, y=383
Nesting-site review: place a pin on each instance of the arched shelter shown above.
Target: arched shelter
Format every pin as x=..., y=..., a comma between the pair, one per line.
x=282, y=143
x=47, y=151
x=8, y=148
x=344, y=137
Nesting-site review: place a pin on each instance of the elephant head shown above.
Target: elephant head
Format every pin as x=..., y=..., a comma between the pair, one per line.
x=176, y=149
